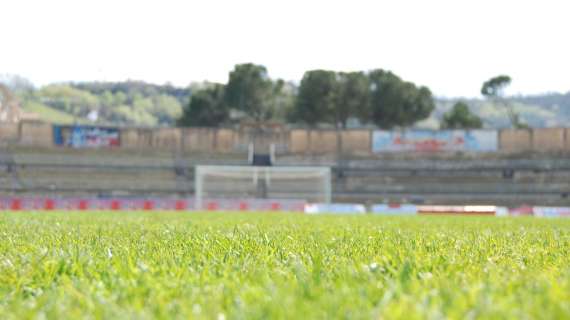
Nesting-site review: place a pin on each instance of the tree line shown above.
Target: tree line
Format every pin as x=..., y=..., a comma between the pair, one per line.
x=109, y=103
x=323, y=97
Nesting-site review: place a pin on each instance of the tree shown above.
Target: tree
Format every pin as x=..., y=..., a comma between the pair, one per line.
x=69, y=99
x=493, y=89
x=461, y=118
x=283, y=99
x=394, y=102
x=352, y=98
x=249, y=90
x=316, y=99
x=207, y=108
x=166, y=108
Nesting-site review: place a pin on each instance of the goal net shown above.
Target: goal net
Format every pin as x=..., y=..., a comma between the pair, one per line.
x=311, y=184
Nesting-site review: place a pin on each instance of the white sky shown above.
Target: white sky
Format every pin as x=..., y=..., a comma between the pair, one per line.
x=452, y=46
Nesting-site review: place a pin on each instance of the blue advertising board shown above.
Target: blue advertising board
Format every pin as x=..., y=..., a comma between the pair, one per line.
x=435, y=141
x=80, y=136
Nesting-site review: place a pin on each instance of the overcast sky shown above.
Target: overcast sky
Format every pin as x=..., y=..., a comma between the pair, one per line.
x=452, y=46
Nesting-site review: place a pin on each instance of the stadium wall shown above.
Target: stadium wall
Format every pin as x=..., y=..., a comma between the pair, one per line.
x=198, y=139
x=514, y=141
x=37, y=134
x=548, y=140
x=356, y=142
x=300, y=142
x=9, y=132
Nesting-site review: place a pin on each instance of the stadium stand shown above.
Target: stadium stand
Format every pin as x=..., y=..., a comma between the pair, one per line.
x=422, y=181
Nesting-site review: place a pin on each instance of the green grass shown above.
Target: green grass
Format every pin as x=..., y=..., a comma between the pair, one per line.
x=251, y=266
x=48, y=114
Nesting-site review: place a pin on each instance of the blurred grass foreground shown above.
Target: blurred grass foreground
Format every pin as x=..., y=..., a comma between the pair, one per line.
x=248, y=266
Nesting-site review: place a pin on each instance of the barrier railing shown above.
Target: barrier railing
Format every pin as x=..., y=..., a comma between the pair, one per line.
x=147, y=204
x=282, y=205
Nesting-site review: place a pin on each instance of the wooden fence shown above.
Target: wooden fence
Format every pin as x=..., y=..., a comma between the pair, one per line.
x=287, y=141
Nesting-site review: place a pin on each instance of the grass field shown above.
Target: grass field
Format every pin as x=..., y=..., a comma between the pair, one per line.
x=244, y=266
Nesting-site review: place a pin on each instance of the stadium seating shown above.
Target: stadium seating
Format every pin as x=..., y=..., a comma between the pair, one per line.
x=421, y=181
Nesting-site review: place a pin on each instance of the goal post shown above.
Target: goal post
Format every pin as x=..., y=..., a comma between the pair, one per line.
x=311, y=184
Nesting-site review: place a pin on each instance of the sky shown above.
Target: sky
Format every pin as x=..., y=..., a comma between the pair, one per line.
x=451, y=46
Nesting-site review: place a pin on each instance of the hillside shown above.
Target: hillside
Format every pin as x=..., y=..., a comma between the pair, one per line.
x=143, y=104
x=124, y=103
x=538, y=111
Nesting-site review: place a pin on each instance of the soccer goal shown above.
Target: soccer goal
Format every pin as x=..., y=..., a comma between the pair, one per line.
x=312, y=184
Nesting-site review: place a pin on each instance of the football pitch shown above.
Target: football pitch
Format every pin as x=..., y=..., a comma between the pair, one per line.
x=62, y=265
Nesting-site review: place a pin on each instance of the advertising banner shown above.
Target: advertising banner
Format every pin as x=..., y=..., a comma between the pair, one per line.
x=288, y=205
x=338, y=208
x=136, y=204
x=86, y=136
x=466, y=210
x=552, y=211
x=435, y=141
x=395, y=209
x=73, y=203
